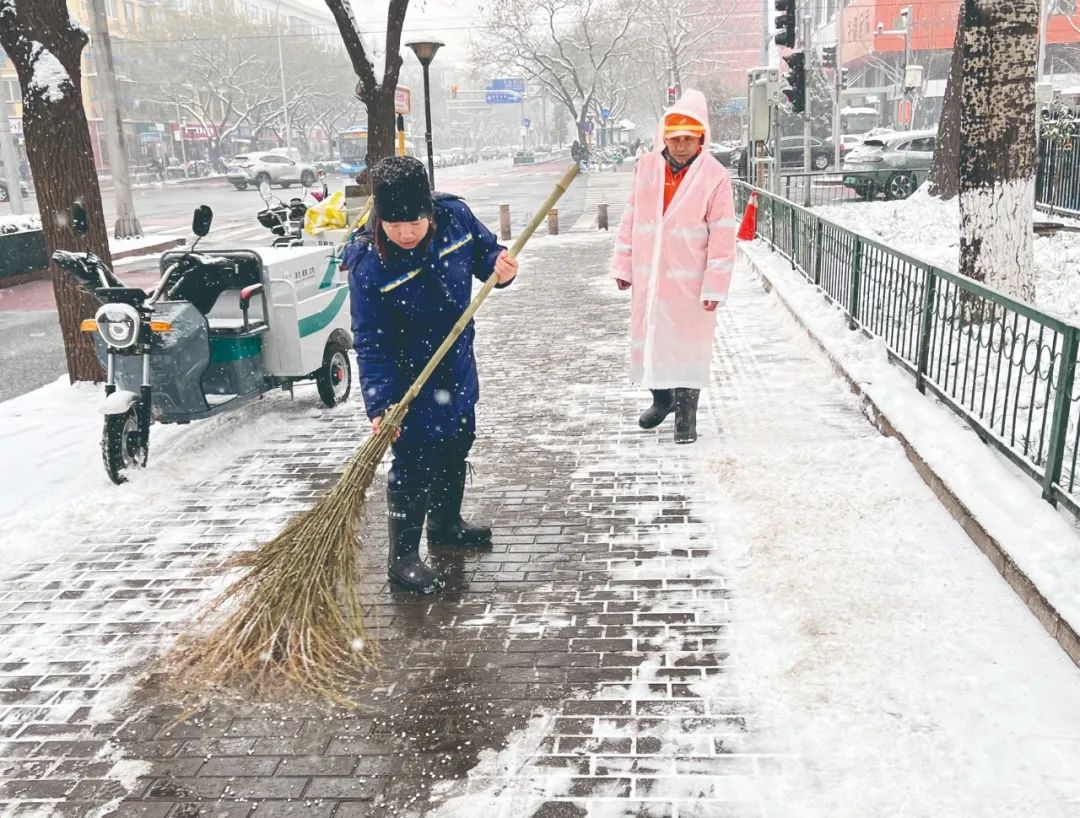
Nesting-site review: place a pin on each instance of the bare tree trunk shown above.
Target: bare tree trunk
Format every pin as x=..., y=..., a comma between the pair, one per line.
x=378, y=97
x=45, y=46
x=382, y=128
x=997, y=144
x=945, y=169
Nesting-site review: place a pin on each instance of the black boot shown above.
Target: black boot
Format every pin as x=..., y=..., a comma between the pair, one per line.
x=405, y=513
x=444, y=523
x=663, y=402
x=686, y=401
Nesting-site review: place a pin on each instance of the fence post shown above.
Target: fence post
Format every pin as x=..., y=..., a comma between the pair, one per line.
x=772, y=223
x=792, y=240
x=1059, y=427
x=856, y=276
x=504, y=222
x=926, y=325
x=819, y=235
x=553, y=222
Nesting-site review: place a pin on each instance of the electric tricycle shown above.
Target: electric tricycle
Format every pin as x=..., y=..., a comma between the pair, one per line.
x=219, y=328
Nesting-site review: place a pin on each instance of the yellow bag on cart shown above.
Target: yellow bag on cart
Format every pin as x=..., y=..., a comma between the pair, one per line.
x=327, y=215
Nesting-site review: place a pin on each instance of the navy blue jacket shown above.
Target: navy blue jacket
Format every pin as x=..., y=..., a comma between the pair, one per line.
x=404, y=306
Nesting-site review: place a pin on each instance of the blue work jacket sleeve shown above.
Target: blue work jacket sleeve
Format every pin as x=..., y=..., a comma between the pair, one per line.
x=486, y=249
x=375, y=341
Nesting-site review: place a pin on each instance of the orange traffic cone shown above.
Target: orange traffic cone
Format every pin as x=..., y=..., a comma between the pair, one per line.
x=749, y=220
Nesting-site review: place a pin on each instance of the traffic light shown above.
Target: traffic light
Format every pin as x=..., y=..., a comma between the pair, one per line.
x=453, y=91
x=785, y=23
x=671, y=95
x=796, y=78
x=843, y=77
x=828, y=56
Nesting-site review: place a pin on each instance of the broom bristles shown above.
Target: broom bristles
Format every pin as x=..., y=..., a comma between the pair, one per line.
x=294, y=615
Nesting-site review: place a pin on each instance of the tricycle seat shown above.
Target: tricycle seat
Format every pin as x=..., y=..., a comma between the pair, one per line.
x=226, y=315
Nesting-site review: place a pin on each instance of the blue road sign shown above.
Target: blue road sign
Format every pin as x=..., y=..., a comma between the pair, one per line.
x=526, y=123
x=604, y=114
x=503, y=97
x=505, y=91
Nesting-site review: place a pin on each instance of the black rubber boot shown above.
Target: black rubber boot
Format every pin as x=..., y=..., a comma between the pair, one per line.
x=445, y=526
x=405, y=514
x=663, y=403
x=686, y=401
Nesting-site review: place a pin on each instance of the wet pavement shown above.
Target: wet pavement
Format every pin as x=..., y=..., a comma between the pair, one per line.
x=584, y=666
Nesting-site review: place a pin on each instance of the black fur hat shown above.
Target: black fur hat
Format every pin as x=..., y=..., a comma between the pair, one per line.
x=400, y=187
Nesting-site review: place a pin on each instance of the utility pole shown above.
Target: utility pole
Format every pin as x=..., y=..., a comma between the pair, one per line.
x=839, y=88
x=766, y=37
x=11, y=162
x=281, y=74
x=808, y=128
x=127, y=223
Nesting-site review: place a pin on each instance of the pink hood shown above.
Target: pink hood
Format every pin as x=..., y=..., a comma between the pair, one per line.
x=691, y=103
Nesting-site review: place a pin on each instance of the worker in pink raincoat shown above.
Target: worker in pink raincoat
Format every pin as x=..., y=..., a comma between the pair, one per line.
x=675, y=252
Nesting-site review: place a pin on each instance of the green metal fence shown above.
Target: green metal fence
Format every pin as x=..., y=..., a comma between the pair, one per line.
x=1008, y=369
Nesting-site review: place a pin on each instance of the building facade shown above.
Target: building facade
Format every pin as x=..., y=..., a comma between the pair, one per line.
x=155, y=129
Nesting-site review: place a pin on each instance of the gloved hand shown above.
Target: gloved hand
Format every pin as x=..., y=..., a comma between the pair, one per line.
x=623, y=285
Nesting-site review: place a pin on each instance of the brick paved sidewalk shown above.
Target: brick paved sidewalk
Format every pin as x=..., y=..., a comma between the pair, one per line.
x=579, y=668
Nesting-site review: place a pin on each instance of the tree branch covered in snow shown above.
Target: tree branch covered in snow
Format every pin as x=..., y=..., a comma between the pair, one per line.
x=566, y=48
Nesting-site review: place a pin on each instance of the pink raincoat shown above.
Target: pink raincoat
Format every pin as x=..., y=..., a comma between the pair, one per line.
x=676, y=261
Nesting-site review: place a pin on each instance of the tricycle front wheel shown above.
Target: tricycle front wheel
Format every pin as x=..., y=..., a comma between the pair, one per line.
x=334, y=377
x=123, y=444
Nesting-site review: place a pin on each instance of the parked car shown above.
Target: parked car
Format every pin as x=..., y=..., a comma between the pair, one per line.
x=271, y=167
x=894, y=164
x=822, y=152
x=4, y=191
x=727, y=154
x=489, y=152
x=849, y=142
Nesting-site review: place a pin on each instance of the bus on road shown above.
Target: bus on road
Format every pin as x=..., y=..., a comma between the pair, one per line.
x=352, y=150
x=352, y=144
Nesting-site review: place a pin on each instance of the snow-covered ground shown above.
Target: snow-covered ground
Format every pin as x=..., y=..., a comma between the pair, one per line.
x=929, y=229
x=53, y=485
x=886, y=668
x=15, y=224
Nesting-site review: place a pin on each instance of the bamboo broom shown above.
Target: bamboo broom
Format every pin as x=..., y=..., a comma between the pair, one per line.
x=294, y=617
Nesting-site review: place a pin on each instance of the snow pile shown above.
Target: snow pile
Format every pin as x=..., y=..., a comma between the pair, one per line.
x=53, y=487
x=18, y=224
x=50, y=80
x=929, y=229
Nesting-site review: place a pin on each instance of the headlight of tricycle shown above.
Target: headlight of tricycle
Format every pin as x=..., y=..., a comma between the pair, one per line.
x=118, y=325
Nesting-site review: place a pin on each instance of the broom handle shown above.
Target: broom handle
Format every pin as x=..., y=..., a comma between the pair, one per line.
x=489, y=285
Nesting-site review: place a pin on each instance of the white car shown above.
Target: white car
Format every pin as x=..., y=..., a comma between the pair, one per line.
x=270, y=167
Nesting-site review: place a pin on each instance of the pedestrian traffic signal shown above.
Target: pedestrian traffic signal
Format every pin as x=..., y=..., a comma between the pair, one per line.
x=828, y=56
x=785, y=23
x=796, y=78
x=453, y=91
x=671, y=95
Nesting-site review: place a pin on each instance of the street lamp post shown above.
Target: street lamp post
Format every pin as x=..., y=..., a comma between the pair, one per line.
x=905, y=14
x=425, y=53
x=281, y=71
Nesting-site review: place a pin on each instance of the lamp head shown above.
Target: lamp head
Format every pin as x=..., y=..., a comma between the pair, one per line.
x=425, y=50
